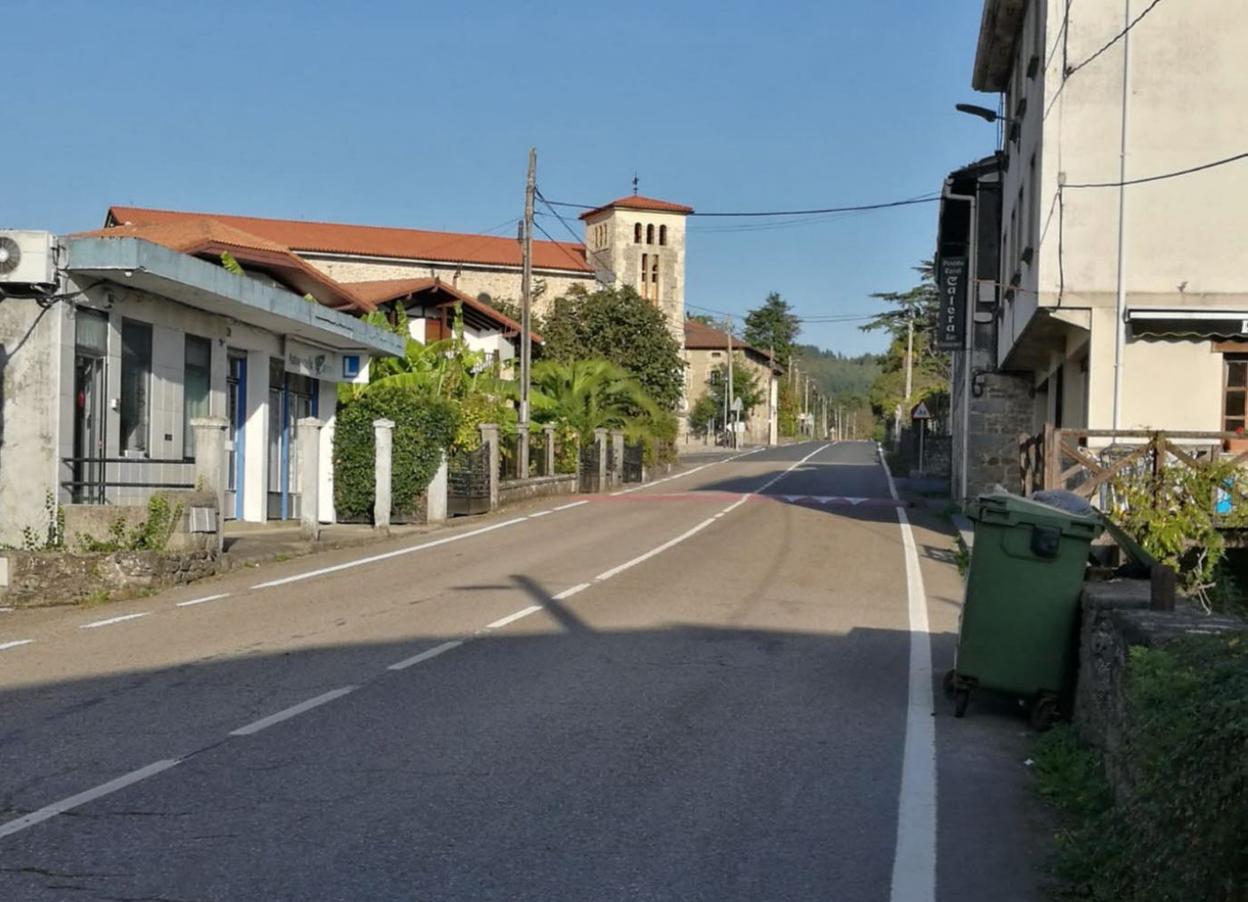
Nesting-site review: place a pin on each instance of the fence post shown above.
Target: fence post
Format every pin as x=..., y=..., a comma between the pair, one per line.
x=522, y=450
x=383, y=470
x=210, y=459
x=489, y=438
x=550, y=451
x=600, y=443
x=1162, y=585
x=617, y=448
x=1052, y=456
x=309, y=477
x=435, y=494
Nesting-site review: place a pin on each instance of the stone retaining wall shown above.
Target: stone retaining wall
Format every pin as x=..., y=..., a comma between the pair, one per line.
x=45, y=578
x=1116, y=616
x=512, y=490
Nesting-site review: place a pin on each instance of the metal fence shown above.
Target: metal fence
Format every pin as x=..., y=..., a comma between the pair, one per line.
x=468, y=482
x=123, y=480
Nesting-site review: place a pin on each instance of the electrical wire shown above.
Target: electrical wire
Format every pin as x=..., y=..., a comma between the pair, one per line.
x=571, y=231
x=1163, y=176
x=922, y=199
x=1071, y=70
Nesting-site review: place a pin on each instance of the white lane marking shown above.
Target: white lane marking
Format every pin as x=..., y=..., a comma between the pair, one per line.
x=732, y=507
x=914, y=859
x=427, y=654
x=389, y=554
x=15, y=643
x=292, y=711
x=187, y=604
x=112, y=620
x=568, y=593
x=512, y=618
x=681, y=475
x=564, y=507
x=51, y=811
x=615, y=571
x=793, y=467
x=539, y=514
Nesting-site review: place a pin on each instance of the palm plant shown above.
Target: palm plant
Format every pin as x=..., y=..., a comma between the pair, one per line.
x=590, y=394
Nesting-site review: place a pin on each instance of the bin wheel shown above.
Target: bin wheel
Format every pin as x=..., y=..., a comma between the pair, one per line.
x=950, y=684
x=961, y=697
x=1045, y=712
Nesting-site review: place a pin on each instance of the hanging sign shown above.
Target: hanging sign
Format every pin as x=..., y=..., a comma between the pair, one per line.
x=951, y=321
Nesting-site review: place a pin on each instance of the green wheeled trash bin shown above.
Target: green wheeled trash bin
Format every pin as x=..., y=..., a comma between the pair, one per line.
x=1019, y=624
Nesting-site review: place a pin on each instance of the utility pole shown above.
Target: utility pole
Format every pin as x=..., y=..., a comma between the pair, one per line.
x=526, y=286
x=909, y=355
x=773, y=397
x=806, y=399
x=728, y=392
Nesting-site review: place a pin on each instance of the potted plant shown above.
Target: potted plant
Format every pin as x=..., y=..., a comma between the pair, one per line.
x=1237, y=445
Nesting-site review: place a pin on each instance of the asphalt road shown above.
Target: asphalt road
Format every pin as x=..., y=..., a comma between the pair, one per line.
x=703, y=689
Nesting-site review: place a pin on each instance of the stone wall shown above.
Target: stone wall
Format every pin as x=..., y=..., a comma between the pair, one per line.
x=1116, y=616
x=44, y=578
x=998, y=417
x=704, y=361
x=511, y=491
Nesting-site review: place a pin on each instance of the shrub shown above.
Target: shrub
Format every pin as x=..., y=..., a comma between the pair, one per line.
x=423, y=428
x=1180, y=831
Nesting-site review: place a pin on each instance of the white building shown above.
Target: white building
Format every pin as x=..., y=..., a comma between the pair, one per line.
x=122, y=341
x=1120, y=299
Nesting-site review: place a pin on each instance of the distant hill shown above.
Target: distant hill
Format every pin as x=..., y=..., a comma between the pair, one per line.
x=835, y=374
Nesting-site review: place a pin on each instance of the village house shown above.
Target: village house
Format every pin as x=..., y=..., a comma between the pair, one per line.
x=707, y=351
x=1095, y=281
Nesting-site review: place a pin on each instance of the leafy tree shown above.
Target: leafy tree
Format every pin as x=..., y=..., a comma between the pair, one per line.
x=703, y=318
x=922, y=301
x=773, y=326
x=705, y=413
x=619, y=326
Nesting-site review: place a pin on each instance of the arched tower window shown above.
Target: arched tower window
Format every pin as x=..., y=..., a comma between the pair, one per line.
x=650, y=234
x=654, y=277
x=663, y=234
x=637, y=233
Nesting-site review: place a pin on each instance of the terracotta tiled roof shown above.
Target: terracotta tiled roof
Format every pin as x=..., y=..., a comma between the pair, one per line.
x=386, y=290
x=701, y=337
x=376, y=241
x=637, y=202
x=210, y=237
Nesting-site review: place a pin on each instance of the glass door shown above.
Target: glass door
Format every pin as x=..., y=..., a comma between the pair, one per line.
x=90, y=348
x=235, y=445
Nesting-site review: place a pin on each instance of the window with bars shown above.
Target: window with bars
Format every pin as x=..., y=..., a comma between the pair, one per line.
x=1235, y=392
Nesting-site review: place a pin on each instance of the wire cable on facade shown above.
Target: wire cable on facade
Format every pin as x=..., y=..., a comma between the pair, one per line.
x=1071, y=70
x=1163, y=176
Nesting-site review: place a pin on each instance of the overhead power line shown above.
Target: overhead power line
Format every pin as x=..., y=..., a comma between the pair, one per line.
x=1163, y=176
x=923, y=199
x=1071, y=70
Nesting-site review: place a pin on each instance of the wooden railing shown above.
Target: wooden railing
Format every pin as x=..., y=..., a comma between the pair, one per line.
x=1084, y=460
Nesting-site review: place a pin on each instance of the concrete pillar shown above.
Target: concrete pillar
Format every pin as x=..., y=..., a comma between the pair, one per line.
x=435, y=495
x=617, y=447
x=549, y=470
x=489, y=438
x=309, y=477
x=522, y=450
x=600, y=442
x=210, y=463
x=383, y=455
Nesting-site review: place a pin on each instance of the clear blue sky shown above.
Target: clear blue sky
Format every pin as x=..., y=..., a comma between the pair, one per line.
x=421, y=115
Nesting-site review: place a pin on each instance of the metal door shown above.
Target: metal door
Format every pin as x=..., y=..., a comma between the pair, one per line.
x=235, y=446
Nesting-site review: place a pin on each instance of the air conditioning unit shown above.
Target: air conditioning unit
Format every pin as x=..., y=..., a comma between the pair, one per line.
x=27, y=262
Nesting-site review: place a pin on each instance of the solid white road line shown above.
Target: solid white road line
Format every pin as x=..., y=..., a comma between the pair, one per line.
x=564, y=507
x=914, y=859
x=112, y=620
x=15, y=644
x=534, y=516
x=568, y=593
x=51, y=811
x=615, y=571
x=793, y=467
x=512, y=618
x=390, y=554
x=187, y=604
x=293, y=711
x=427, y=654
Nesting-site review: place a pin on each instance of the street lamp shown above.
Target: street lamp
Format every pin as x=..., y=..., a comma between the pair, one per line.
x=982, y=112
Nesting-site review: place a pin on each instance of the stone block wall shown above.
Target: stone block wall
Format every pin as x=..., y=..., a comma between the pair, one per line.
x=47, y=578
x=996, y=419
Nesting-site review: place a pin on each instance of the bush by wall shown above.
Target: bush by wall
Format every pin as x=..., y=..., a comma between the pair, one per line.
x=423, y=428
x=1179, y=831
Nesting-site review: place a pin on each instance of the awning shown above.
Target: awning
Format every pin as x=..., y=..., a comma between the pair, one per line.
x=1188, y=322
x=197, y=283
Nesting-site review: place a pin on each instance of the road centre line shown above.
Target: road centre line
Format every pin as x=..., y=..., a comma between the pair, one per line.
x=512, y=618
x=292, y=711
x=426, y=655
x=371, y=559
x=187, y=604
x=15, y=643
x=914, y=858
x=564, y=507
x=780, y=476
x=90, y=795
x=534, y=516
x=112, y=620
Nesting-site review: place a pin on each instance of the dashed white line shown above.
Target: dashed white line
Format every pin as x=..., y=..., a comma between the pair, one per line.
x=15, y=643
x=51, y=811
x=426, y=655
x=112, y=620
x=372, y=559
x=187, y=604
x=564, y=507
x=914, y=859
x=615, y=571
x=793, y=467
x=512, y=618
x=292, y=711
x=568, y=593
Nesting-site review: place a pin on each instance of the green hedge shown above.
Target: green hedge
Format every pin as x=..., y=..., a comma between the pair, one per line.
x=423, y=428
x=1182, y=834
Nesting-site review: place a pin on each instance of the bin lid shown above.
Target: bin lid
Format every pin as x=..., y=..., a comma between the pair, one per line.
x=1007, y=509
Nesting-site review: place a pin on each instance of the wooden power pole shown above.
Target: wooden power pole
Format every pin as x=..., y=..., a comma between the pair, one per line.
x=526, y=286
x=728, y=390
